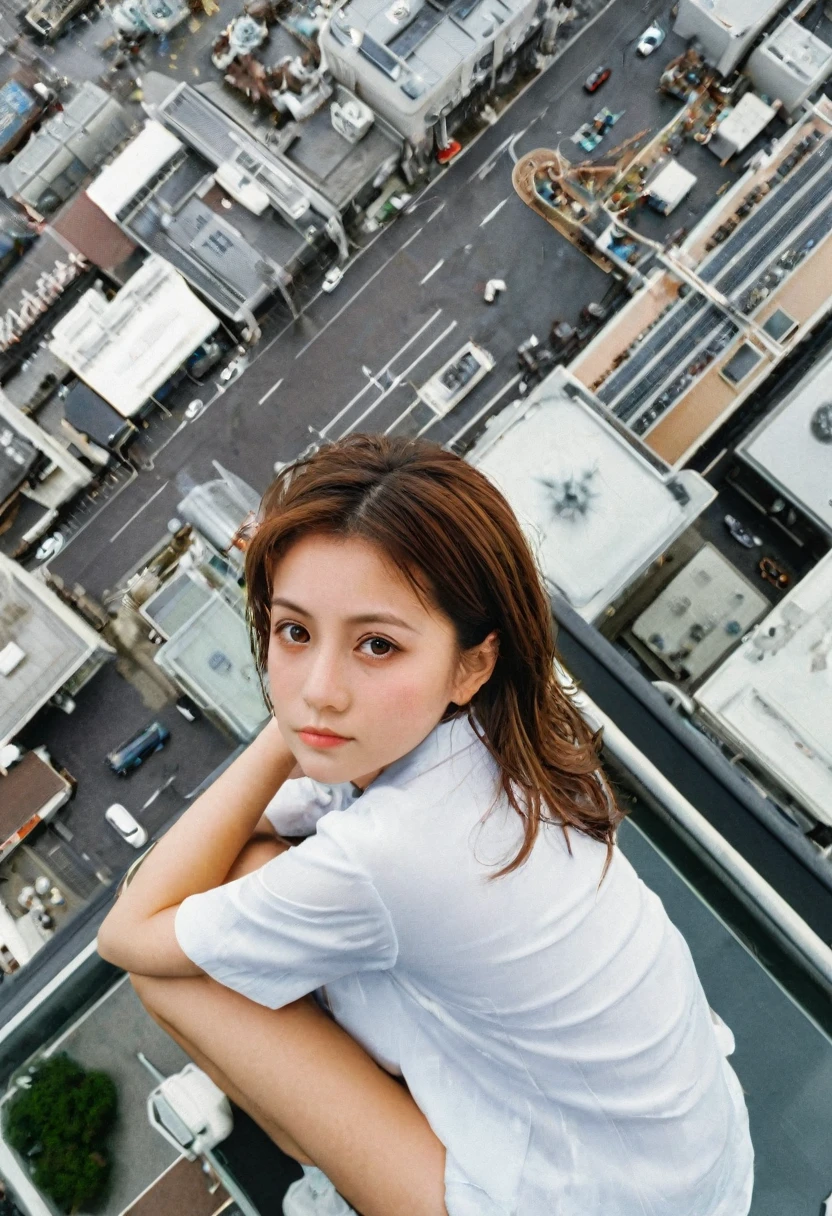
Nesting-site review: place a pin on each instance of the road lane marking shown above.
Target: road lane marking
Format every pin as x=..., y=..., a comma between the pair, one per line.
x=491, y=214
x=386, y=367
x=480, y=413
x=361, y=289
x=273, y=389
x=488, y=164
x=136, y=514
x=435, y=212
x=401, y=377
x=431, y=273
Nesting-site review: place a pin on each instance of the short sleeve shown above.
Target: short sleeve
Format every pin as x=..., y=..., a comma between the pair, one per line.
x=307, y=918
x=300, y=803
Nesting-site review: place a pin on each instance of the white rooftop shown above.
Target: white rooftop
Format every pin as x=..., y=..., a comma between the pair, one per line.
x=773, y=696
x=128, y=347
x=597, y=507
x=745, y=121
x=141, y=160
x=798, y=48
x=740, y=15
x=784, y=449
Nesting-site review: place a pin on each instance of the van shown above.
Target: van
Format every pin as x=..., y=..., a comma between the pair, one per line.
x=133, y=753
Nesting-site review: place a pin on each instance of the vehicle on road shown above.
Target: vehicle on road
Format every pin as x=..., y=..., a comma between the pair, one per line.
x=774, y=574
x=332, y=278
x=50, y=547
x=595, y=79
x=194, y=409
x=652, y=37
x=128, y=828
x=447, y=387
x=492, y=289
x=188, y=709
x=135, y=751
x=741, y=534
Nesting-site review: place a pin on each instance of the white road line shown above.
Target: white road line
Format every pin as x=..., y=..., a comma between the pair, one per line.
x=431, y=273
x=491, y=214
x=480, y=413
x=488, y=164
x=402, y=377
x=362, y=288
x=273, y=389
x=386, y=367
x=435, y=212
x=136, y=514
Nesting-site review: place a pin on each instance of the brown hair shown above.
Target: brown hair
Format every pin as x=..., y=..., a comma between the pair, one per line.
x=459, y=544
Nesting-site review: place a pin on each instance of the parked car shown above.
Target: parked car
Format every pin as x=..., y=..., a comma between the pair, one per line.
x=332, y=278
x=774, y=574
x=595, y=79
x=194, y=409
x=50, y=547
x=135, y=751
x=652, y=37
x=188, y=709
x=128, y=828
x=741, y=534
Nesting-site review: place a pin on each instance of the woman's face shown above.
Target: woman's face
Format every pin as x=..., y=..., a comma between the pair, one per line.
x=354, y=652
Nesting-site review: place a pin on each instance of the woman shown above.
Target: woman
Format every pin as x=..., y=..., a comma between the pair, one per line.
x=455, y=995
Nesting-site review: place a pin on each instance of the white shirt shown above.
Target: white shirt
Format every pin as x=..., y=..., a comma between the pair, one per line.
x=553, y=1032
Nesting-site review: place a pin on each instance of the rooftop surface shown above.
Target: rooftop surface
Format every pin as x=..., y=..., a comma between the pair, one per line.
x=738, y=16
x=596, y=508
x=798, y=48
x=773, y=696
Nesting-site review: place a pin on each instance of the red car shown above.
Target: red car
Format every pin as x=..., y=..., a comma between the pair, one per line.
x=595, y=79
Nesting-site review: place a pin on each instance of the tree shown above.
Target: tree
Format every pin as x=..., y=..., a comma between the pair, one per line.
x=61, y=1123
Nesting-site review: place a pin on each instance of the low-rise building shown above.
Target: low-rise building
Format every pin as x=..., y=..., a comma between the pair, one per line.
x=724, y=30
x=597, y=506
x=127, y=348
x=421, y=63
x=69, y=147
x=31, y=792
x=772, y=698
x=48, y=648
x=34, y=293
x=39, y=464
x=717, y=316
x=792, y=62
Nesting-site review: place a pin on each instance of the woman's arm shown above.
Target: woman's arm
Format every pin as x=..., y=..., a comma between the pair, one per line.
x=195, y=855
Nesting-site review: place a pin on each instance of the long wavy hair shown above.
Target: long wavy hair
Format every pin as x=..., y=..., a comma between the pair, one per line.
x=456, y=540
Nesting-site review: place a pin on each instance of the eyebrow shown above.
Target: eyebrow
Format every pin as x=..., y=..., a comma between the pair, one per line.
x=364, y=618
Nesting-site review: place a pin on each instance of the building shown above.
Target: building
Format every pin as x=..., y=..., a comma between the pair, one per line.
x=127, y=348
x=788, y=455
x=724, y=30
x=772, y=698
x=69, y=147
x=33, y=294
x=31, y=792
x=793, y=61
x=47, y=647
x=739, y=125
x=718, y=315
x=597, y=506
x=20, y=108
x=160, y=194
x=43, y=467
x=423, y=65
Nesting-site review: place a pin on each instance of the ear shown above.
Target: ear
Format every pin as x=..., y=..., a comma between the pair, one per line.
x=475, y=667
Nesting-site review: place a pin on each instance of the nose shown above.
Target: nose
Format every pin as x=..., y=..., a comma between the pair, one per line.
x=326, y=685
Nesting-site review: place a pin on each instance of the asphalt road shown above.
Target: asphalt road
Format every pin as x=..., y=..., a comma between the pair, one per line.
x=407, y=302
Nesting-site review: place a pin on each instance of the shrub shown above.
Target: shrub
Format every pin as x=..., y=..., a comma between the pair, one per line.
x=62, y=1123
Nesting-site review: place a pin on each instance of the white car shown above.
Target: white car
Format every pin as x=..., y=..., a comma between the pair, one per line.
x=194, y=409
x=128, y=828
x=332, y=278
x=652, y=37
x=50, y=547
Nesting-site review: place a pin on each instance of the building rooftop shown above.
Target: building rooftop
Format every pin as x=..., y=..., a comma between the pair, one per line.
x=598, y=510
x=739, y=16
x=798, y=48
x=17, y=458
x=30, y=787
x=773, y=696
x=93, y=234
x=128, y=347
x=788, y=447
x=54, y=641
x=68, y=147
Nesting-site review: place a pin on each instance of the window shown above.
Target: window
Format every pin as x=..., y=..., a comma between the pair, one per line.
x=779, y=325
x=741, y=365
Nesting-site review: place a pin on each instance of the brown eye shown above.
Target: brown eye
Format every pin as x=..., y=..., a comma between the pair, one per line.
x=380, y=648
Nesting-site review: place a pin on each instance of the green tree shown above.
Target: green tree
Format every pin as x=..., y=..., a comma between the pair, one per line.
x=62, y=1123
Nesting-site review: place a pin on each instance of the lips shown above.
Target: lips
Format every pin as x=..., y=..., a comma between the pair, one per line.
x=319, y=736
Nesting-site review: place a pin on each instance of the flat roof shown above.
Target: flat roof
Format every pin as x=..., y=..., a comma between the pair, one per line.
x=773, y=695
x=798, y=48
x=55, y=642
x=786, y=450
x=738, y=16
x=128, y=347
x=92, y=233
x=595, y=508
x=26, y=789
x=141, y=160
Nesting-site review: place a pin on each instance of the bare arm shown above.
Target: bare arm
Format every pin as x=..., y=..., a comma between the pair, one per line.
x=195, y=855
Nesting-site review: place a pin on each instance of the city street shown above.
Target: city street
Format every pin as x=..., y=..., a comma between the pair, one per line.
x=407, y=302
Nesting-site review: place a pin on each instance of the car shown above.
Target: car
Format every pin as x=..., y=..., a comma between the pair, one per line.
x=189, y=709
x=135, y=751
x=332, y=278
x=741, y=534
x=128, y=828
x=492, y=289
x=50, y=547
x=194, y=409
x=455, y=379
x=652, y=37
x=595, y=79
x=774, y=574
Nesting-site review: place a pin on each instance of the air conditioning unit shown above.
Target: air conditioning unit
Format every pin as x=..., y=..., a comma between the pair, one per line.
x=351, y=118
